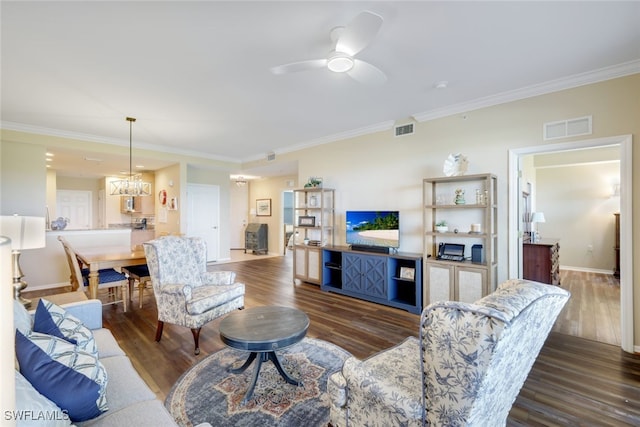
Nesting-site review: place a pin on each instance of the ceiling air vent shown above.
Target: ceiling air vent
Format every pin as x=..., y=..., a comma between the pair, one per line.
x=567, y=128
x=271, y=156
x=403, y=130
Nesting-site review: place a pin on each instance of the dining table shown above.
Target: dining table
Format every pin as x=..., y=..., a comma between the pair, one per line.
x=99, y=257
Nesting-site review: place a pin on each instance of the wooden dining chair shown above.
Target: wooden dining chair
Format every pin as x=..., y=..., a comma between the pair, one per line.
x=139, y=274
x=108, y=278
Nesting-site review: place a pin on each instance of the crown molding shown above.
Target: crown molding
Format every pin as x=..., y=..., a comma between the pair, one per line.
x=367, y=130
x=39, y=130
x=602, y=74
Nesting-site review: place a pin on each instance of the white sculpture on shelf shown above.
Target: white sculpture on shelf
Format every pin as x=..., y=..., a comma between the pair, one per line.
x=455, y=165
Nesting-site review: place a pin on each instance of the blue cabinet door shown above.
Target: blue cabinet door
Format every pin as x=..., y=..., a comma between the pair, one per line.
x=365, y=274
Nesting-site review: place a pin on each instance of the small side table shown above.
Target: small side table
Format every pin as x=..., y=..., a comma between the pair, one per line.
x=261, y=331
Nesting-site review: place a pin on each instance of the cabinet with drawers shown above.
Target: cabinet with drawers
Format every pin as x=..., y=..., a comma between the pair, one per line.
x=255, y=238
x=541, y=261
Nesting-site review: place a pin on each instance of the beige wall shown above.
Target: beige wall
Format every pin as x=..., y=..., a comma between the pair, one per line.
x=578, y=208
x=271, y=188
x=168, y=222
x=23, y=177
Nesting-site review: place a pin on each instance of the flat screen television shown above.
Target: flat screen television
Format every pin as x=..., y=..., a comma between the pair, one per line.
x=373, y=228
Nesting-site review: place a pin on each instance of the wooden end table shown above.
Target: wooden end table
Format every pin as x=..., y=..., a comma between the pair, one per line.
x=261, y=331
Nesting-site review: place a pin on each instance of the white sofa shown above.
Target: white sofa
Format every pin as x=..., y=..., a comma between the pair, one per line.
x=131, y=402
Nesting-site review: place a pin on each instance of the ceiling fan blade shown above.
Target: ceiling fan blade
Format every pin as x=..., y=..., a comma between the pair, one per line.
x=359, y=33
x=294, y=67
x=366, y=73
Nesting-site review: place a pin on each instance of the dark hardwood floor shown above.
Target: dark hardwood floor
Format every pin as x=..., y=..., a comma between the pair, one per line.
x=575, y=381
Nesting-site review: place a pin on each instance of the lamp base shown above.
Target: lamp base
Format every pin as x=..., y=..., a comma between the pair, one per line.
x=18, y=283
x=17, y=290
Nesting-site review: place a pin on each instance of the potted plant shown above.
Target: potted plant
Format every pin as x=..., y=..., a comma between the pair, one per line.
x=441, y=226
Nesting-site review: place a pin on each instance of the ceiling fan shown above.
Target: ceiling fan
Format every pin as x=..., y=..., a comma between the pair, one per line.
x=349, y=41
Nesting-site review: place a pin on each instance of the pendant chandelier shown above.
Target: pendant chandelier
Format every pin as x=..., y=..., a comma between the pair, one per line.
x=133, y=185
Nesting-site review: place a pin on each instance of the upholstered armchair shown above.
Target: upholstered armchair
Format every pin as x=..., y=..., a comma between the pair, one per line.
x=466, y=369
x=186, y=294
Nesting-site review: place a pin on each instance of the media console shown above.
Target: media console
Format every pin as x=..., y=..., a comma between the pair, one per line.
x=390, y=279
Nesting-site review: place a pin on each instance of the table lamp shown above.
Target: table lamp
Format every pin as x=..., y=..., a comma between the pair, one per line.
x=25, y=232
x=536, y=218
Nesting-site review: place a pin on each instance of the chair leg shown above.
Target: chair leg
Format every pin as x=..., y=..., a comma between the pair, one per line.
x=132, y=282
x=196, y=338
x=159, y=330
x=141, y=286
x=125, y=294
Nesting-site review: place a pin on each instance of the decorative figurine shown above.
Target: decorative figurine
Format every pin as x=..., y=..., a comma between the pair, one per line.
x=459, y=200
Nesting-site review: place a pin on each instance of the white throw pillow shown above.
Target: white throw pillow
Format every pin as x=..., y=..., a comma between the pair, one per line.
x=35, y=410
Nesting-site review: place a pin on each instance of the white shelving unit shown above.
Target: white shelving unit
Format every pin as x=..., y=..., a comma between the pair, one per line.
x=313, y=228
x=460, y=280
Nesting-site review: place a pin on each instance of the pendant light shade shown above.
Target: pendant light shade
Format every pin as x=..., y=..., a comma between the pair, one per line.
x=133, y=185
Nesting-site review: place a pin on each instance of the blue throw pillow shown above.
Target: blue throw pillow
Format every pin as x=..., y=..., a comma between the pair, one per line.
x=73, y=379
x=54, y=320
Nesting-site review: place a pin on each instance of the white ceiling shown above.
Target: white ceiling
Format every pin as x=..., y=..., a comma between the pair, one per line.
x=196, y=75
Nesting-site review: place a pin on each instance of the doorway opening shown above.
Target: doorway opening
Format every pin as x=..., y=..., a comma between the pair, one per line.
x=626, y=220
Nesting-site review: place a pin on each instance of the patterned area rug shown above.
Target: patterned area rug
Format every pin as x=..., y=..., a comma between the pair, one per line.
x=208, y=393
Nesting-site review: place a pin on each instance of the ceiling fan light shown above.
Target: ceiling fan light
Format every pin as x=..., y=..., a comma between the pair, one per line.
x=340, y=62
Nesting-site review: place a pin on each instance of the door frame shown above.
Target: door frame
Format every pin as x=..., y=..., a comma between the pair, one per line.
x=626, y=219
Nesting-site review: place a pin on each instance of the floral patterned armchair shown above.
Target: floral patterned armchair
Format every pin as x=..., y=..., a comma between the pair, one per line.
x=466, y=369
x=186, y=294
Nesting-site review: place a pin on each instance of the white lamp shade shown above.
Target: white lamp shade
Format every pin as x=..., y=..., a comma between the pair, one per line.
x=537, y=217
x=25, y=232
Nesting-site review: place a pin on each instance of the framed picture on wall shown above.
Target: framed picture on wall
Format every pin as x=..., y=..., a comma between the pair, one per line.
x=173, y=204
x=263, y=207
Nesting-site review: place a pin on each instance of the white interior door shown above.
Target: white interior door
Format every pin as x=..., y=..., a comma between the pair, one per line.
x=203, y=216
x=75, y=205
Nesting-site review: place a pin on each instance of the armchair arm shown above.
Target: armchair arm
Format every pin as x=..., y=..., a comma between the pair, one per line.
x=177, y=289
x=218, y=277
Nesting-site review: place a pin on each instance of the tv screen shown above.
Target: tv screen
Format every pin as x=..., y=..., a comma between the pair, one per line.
x=373, y=228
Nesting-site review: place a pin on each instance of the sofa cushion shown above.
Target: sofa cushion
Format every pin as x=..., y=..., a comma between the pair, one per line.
x=73, y=379
x=34, y=409
x=125, y=386
x=145, y=413
x=52, y=319
x=107, y=344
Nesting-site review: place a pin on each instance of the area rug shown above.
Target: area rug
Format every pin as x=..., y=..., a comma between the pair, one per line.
x=209, y=393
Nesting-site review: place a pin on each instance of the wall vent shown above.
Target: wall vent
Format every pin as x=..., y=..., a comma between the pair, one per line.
x=567, y=128
x=271, y=156
x=404, y=130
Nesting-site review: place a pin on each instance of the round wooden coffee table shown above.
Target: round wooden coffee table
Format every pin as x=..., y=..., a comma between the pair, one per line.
x=262, y=331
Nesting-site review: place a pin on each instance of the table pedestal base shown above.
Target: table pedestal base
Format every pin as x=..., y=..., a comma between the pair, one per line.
x=264, y=356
